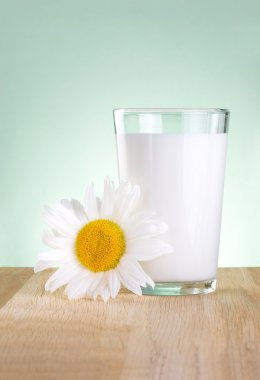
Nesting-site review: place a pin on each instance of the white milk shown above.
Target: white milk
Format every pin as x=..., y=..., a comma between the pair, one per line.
x=181, y=177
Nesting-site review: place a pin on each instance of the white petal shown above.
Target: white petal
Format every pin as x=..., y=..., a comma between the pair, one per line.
x=133, y=269
x=130, y=285
x=121, y=193
x=125, y=202
x=57, y=242
x=98, y=205
x=98, y=278
x=147, y=249
x=66, y=203
x=89, y=283
x=91, y=203
x=100, y=287
x=79, y=211
x=46, y=264
x=131, y=279
x=56, y=233
x=62, y=276
x=105, y=294
x=65, y=225
x=133, y=199
x=58, y=226
x=113, y=283
x=77, y=287
x=55, y=255
x=142, y=216
x=48, y=238
x=138, y=217
x=64, y=210
x=107, y=205
x=146, y=229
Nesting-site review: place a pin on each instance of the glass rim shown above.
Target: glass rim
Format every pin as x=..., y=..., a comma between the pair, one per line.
x=172, y=110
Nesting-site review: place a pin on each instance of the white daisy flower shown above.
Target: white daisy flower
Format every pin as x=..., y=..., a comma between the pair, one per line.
x=97, y=246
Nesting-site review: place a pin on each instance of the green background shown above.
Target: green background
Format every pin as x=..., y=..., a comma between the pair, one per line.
x=64, y=65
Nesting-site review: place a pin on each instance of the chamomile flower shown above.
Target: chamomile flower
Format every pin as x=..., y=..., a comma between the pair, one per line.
x=97, y=246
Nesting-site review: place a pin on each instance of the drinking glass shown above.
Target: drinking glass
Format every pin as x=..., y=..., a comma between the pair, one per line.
x=177, y=157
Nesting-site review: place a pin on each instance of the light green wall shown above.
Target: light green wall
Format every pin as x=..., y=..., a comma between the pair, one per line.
x=65, y=64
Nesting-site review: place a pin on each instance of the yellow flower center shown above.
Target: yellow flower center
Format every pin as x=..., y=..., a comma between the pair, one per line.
x=99, y=245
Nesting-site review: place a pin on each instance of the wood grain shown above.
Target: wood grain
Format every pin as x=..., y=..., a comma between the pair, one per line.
x=45, y=336
x=11, y=280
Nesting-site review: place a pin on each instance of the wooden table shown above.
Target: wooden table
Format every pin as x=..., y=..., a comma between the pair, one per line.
x=45, y=336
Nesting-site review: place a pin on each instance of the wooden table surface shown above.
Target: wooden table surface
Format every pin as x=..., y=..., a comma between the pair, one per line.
x=45, y=336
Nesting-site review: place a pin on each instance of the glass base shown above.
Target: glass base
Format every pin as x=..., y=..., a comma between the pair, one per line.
x=182, y=288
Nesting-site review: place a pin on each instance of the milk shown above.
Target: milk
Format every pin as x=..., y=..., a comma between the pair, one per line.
x=181, y=177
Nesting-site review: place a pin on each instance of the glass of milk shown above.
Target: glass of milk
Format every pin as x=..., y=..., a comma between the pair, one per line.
x=177, y=157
